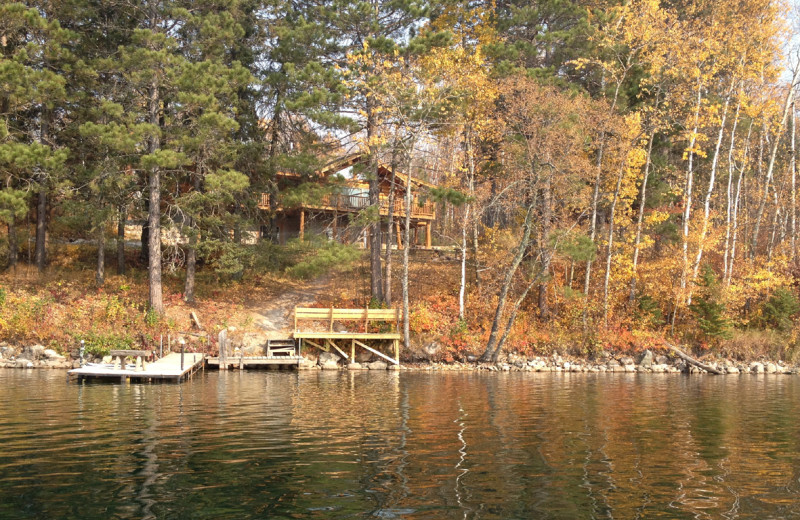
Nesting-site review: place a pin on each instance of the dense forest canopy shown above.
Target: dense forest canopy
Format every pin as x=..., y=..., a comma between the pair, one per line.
x=601, y=166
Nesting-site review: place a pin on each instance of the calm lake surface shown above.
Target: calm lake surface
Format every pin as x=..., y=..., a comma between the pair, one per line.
x=401, y=445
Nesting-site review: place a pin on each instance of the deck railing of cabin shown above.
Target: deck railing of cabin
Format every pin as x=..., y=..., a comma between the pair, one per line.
x=344, y=202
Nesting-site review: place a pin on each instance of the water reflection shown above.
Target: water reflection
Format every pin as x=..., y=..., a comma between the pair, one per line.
x=401, y=445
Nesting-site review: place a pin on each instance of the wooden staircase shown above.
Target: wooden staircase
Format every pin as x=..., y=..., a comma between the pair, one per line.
x=282, y=347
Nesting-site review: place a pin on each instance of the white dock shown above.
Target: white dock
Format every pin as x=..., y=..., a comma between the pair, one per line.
x=167, y=368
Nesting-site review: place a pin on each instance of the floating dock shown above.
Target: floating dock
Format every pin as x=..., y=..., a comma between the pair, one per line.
x=168, y=368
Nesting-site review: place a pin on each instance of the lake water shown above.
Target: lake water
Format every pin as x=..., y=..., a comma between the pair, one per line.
x=401, y=445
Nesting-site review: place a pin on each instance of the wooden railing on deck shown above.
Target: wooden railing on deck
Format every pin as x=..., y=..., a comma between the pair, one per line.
x=344, y=202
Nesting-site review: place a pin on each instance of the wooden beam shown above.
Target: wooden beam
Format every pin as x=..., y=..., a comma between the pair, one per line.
x=353, y=349
x=314, y=344
x=381, y=354
x=340, y=351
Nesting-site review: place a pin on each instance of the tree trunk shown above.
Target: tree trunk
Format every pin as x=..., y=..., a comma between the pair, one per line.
x=610, y=240
x=793, y=168
x=100, y=274
x=770, y=168
x=544, y=241
x=407, y=236
x=687, y=207
x=387, y=292
x=41, y=229
x=13, y=245
x=492, y=350
x=155, y=301
x=640, y=217
x=462, y=289
x=123, y=216
x=707, y=202
x=191, y=265
x=729, y=191
x=376, y=273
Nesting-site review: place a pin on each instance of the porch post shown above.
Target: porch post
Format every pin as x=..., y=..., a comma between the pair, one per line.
x=428, y=235
x=302, y=224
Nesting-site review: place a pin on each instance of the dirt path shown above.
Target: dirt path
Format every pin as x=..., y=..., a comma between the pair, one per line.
x=274, y=317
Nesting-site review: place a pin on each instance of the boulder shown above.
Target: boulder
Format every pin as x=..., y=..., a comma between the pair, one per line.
x=756, y=367
x=327, y=357
x=355, y=366
x=395, y=367
x=306, y=364
x=770, y=368
x=253, y=344
x=732, y=370
x=377, y=365
x=33, y=352
x=629, y=367
x=626, y=360
x=52, y=355
x=329, y=365
x=24, y=363
x=364, y=356
x=647, y=359
x=661, y=360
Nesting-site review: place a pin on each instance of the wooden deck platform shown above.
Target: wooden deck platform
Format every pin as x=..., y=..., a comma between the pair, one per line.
x=167, y=368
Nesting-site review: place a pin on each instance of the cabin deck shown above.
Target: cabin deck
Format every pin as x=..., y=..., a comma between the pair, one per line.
x=168, y=368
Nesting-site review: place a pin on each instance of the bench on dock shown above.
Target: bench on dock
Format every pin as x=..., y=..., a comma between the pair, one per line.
x=326, y=339
x=141, y=356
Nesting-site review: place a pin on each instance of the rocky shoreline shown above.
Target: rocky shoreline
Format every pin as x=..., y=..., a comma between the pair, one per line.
x=37, y=356
x=647, y=362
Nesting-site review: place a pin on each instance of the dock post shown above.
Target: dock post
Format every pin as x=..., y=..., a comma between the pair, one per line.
x=183, y=347
x=223, y=349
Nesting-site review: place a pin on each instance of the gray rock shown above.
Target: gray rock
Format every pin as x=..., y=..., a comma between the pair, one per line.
x=567, y=365
x=52, y=355
x=329, y=365
x=364, y=356
x=33, y=352
x=76, y=364
x=377, y=365
x=756, y=367
x=305, y=363
x=327, y=357
x=24, y=363
x=355, y=366
x=626, y=360
x=629, y=367
x=253, y=344
x=661, y=360
x=732, y=370
x=647, y=359
x=395, y=367
x=770, y=368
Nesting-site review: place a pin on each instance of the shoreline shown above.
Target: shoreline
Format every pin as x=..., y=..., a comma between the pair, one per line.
x=38, y=357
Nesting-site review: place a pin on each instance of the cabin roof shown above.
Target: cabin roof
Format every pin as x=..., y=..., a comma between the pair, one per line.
x=341, y=163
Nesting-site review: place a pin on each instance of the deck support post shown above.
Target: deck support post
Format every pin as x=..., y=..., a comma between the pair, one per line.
x=428, y=235
x=399, y=236
x=302, y=224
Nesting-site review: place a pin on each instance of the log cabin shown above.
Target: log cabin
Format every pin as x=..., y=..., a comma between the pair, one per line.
x=344, y=195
